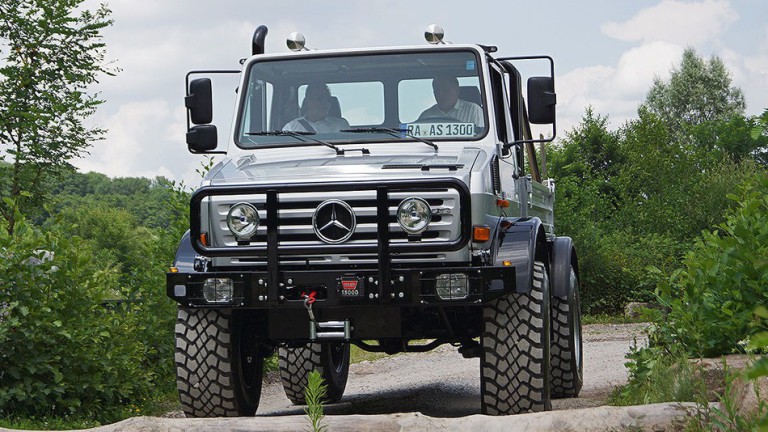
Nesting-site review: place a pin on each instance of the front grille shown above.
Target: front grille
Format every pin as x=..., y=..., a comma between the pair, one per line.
x=291, y=225
x=296, y=210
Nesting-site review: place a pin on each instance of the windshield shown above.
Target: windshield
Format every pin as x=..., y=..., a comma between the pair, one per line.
x=407, y=96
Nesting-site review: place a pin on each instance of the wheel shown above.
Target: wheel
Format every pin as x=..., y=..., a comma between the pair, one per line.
x=218, y=364
x=514, y=362
x=567, y=357
x=330, y=359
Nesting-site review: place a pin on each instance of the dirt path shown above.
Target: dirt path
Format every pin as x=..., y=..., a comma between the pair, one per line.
x=440, y=390
x=443, y=384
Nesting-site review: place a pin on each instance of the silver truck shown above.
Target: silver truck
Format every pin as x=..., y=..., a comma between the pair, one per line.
x=397, y=222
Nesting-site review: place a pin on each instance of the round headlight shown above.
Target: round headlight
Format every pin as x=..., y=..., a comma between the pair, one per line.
x=414, y=215
x=243, y=220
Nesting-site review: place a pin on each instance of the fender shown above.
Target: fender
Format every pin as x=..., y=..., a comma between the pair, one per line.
x=563, y=254
x=185, y=255
x=521, y=241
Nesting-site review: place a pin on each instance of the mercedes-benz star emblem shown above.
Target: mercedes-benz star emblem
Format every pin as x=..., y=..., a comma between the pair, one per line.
x=334, y=221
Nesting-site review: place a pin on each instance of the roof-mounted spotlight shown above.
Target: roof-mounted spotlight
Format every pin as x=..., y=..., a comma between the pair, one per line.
x=296, y=42
x=434, y=34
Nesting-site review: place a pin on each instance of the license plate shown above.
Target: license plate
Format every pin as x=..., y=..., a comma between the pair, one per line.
x=441, y=130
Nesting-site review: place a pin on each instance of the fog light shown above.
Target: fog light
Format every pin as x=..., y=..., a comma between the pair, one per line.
x=218, y=290
x=452, y=286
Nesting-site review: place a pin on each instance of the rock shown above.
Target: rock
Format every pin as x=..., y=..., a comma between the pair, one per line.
x=656, y=417
x=637, y=309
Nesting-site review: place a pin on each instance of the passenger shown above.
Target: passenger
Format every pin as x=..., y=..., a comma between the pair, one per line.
x=315, y=109
x=446, y=90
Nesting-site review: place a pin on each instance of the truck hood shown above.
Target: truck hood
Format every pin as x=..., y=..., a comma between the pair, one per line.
x=285, y=168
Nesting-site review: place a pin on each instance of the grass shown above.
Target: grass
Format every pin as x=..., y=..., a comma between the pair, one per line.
x=358, y=355
x=610, y=319
x=161, y=404
x=662, y=379
x=676, y=378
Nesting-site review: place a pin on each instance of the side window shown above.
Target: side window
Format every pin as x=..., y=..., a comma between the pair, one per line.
x=360, y=103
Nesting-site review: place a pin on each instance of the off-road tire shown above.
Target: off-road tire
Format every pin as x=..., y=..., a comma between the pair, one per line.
x=567, y=355
x=218, y=365
x=514, y=363
x=331, y=360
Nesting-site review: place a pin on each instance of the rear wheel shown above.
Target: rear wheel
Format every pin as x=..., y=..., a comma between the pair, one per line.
x=567, y=358
x=218, y=364
x=514, y=362
x=331, y=360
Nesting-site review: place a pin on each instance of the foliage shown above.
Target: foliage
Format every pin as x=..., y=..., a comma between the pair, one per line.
x=759, y=369
x=53, y=53
x=642, y=212
x=712, y=297
x=314, y=394
x=710, y=302
x=697, y=92
x=730, y=415
x=63, y=350
x=659, y=374
x=89, y=333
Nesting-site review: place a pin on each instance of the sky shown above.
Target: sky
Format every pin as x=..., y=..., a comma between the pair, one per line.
x=606, y=52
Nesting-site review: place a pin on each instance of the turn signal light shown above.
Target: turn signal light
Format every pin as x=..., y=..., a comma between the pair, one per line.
x=204, y=239
x=502, y=203
x=481, y=233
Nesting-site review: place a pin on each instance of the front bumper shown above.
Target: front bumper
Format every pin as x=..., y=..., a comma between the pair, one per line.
x=332, y=288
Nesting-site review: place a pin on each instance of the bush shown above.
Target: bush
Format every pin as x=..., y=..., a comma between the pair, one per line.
x=660, y=374
x=63, y=352
x=85, y=325
x=712, y=297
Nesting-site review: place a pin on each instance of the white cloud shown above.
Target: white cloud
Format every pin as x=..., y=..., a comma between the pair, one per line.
x=683, y=23
x=614, y=91
x=639, y=66
x=132, y=146
x=755, y=83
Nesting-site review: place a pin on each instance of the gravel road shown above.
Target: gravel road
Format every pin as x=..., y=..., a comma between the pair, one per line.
x=440, y=390
x=442, y=383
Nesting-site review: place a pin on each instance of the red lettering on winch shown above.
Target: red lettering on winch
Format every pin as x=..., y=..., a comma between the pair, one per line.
x=349, y=284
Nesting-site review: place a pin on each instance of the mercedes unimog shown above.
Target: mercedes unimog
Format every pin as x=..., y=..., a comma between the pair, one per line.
x=397, y=231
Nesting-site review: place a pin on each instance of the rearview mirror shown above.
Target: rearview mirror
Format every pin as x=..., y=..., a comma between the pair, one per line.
x=199, y=101
x=541, y=100
x=201, y=139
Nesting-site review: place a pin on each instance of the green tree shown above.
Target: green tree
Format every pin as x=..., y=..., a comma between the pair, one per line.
x=53, y=53
x=698, y=91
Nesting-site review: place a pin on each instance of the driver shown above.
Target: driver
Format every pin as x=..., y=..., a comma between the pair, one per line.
x=446, y=90
x=315, y=107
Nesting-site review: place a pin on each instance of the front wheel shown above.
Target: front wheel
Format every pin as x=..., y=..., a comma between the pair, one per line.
x=331, y=360
x=514, y=362
x=218, y=363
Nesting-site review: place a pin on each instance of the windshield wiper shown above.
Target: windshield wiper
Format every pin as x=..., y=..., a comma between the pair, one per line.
x=393, y=132
x=298, y=134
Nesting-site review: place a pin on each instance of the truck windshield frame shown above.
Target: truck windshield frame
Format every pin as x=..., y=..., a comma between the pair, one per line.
x=379, y=89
